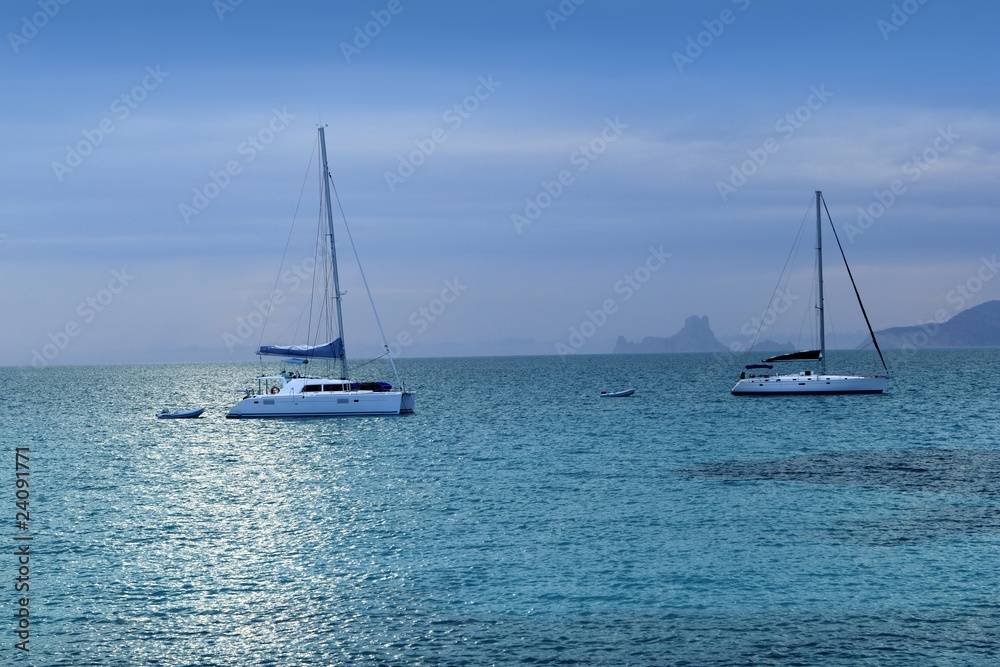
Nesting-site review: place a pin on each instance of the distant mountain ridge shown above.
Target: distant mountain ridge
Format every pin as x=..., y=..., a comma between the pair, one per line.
x=978, y=326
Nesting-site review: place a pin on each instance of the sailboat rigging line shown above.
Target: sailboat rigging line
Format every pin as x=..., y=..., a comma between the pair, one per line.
x=831, y=327
x=372, y=361
x=365, y=281
x=854, y=285
x=288, y=240
x=777, y=286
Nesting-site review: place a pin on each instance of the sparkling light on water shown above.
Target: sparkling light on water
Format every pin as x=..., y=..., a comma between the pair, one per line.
x=516, y=517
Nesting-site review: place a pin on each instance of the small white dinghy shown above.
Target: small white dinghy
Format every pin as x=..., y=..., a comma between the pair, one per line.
x=617, y=394
x=167, y=413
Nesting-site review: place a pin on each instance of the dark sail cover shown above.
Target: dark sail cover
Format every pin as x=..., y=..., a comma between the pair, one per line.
x=804, y=355
x=332, y=350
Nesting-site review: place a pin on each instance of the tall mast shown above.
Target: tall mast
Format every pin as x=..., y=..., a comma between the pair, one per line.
x=333, y=253
x=819, y=265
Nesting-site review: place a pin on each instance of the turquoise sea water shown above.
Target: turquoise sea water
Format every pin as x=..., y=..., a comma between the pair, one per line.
x=515, y=518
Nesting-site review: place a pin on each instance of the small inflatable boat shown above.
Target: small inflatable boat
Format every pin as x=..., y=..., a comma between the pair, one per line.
x=167, y=413
x=617, y=394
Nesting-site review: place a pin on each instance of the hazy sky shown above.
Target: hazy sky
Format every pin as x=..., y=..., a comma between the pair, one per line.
x=511, y=170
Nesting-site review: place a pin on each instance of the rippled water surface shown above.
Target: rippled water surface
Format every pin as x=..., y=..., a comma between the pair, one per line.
x=516, y=518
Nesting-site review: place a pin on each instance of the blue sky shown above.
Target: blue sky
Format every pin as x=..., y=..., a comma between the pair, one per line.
x=697, y=130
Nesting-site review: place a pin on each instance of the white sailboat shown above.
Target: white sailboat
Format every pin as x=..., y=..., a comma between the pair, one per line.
x=294, y=394
x=759, y=383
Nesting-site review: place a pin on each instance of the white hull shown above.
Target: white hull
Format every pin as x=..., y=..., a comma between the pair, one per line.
x=772, y=385
x=327, y=404
x=407, y=402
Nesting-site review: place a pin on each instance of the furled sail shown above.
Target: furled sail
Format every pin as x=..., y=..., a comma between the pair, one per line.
x=332, y=350
x=804, y=355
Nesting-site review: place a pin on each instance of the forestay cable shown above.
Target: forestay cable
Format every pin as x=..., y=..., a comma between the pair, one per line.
x=854, y=285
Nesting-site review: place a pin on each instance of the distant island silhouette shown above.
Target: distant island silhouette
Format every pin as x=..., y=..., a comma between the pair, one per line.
x=978, y=326
x=695, y=336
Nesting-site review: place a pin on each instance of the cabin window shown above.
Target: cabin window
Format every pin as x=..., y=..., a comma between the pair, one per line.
x=332, y=387
x=312, y=387
x=341, y=400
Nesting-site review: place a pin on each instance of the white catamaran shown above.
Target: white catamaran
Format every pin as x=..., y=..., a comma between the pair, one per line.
x=294, y=394
x=810, y=382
